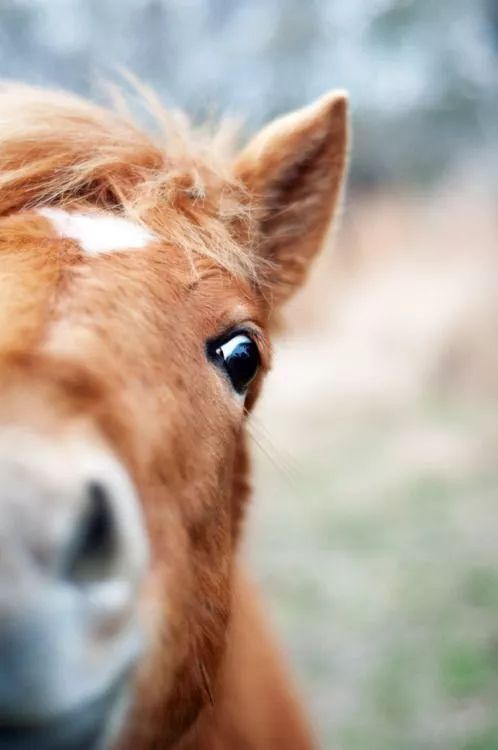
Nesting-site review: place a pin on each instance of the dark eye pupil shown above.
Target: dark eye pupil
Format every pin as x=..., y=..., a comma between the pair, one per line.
x=240, y=358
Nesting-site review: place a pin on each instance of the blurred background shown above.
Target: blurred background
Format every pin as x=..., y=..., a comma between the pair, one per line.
x=375, y=524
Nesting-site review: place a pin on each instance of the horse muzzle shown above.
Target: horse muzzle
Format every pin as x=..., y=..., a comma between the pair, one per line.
x=73, y=554
x=88, y=727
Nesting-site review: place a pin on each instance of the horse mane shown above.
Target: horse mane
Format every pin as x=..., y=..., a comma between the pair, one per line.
x=57, y=149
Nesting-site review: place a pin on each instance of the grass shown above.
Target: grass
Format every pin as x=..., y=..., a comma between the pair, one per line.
x=384, y=581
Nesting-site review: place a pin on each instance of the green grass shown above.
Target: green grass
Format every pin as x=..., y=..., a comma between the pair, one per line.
x=380, y=565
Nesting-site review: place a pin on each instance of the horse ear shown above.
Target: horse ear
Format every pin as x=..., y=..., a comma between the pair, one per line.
x=294, y=168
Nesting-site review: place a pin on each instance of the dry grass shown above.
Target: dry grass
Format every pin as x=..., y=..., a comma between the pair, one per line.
x=375, y=525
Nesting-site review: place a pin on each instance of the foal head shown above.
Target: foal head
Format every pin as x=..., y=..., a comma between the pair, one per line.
x=137, y=287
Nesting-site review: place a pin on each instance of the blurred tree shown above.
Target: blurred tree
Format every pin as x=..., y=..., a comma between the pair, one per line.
x=491, y=9
x=422, y=73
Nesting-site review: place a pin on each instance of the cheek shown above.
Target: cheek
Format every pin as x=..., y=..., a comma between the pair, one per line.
x=188, y=511
x=193, y=507
x=195, y=452
x=186, y=599
x=190, y=429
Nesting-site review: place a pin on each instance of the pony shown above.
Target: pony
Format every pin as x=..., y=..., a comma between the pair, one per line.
x=141, y=276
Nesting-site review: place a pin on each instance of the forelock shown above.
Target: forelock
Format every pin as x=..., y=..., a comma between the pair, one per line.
x=59, y=150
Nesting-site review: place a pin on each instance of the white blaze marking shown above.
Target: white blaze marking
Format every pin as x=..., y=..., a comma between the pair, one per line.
x=98, y=233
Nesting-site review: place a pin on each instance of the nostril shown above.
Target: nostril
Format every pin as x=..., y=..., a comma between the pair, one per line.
x=93, y=549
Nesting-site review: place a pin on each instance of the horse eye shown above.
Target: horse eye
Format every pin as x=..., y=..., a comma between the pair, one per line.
x=239, y=357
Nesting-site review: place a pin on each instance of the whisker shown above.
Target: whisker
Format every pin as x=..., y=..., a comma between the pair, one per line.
x=283, y=462
x=206, y=682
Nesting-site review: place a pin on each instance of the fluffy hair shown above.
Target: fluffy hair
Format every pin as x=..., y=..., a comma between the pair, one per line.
x=57, y=149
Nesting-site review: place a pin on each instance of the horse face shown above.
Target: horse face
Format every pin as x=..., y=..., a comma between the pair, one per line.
x=117, y=455
x=124, y=388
